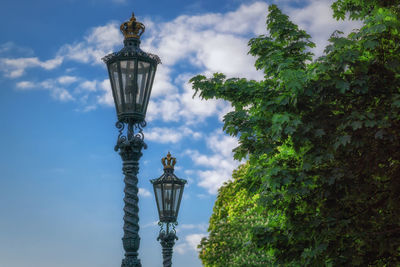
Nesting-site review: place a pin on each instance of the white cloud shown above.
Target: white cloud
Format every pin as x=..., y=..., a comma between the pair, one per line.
x=15, y=67
x=178, y=106
x=316, y=18
x=150, y=224
x=166, y=109
x=12, y=47
x=189, y=172
x=195, y=109
x=163, y=82
x=90, y=86
x=106, y=97
x=181, y=248
x=202, y=226
x=163, y=135
x=67, y=79
x=89, y=93
x=212, y=180
x=203, y=196
x=6, y=47
x=195, y=135
x=54, y=86
x=61, y=94
x=170, y=135
x=228, y=54
x=248, y=18
x=222, y=144
x=194, y=239
x=143, y=192
x=25, y=85
x=89, y=108
x=214, y=42
x=190, y=243
x=216, y=168
x=100, y=41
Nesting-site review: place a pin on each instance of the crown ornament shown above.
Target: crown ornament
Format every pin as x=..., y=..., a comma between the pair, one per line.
x=168, y=162
x=132, y=28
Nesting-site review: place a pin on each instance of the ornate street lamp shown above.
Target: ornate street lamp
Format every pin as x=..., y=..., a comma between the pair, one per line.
x=168, y=190
x=131, y=73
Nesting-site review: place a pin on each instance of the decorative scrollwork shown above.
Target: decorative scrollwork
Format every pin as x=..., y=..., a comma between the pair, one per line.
x=169, y=227
x=139, y=126
x=121, y=139
x=131, y=53
x=142, y=124
x=174, y=224
x=167, y=239
x=120, y=126
x=130, y=133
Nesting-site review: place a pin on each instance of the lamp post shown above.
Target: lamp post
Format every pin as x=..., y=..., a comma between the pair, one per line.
x=131, y=73
x=168, y=190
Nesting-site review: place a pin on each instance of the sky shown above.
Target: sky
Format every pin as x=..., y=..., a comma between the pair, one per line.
x=61, y=185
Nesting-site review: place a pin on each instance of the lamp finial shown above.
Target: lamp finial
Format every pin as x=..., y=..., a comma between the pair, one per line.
x=168, y=162
x=132, y=28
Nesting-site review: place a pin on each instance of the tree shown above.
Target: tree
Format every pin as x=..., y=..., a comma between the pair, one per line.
x=322, y=138
x=234, y=216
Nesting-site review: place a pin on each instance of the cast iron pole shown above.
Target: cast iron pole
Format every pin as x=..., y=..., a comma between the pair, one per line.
x=130, y=147
x=167, y=239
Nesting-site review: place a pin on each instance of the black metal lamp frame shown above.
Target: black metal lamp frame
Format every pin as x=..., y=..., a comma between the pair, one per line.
x=131, y=121
x=168, y=205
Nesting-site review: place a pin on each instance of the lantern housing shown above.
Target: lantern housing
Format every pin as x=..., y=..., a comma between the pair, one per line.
x=131, y=73
x=168, y=191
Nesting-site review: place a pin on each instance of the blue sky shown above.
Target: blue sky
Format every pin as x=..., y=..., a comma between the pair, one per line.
x=61, y=186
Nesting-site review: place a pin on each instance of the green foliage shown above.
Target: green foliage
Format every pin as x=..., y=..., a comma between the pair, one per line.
x=359, y=9
x=322, y=141
x=234, y=216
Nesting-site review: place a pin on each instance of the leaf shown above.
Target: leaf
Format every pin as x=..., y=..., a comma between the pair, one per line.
x=370, y=123
x=379, y=134
x=319, y=132
x=307, y=166
x=343, y=86
x=342, y=141
x=371, y=44
x=356, y=125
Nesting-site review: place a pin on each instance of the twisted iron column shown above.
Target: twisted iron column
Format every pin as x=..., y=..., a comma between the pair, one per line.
x=130, y=147
x=167, y=239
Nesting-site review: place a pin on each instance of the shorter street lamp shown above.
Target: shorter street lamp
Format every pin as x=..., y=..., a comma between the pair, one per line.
x=168, y=190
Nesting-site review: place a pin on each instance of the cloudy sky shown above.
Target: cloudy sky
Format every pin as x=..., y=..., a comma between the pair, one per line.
x=61, y=185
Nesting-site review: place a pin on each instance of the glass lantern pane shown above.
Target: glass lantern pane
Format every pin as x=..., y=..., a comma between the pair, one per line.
x=158, y=194
x=177, y=193
x=142, y=82
x=128, y=84
x=115, y=85
x=168, y=199
x=149, y=85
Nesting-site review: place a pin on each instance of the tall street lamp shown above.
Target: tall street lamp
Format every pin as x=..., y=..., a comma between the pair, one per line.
x=168, y=190
x=131, y=73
